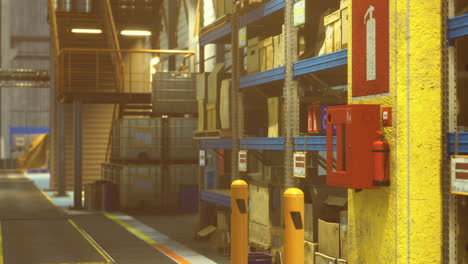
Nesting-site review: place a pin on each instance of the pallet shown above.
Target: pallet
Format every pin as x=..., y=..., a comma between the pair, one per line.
x=212, y=134
x=218, y=23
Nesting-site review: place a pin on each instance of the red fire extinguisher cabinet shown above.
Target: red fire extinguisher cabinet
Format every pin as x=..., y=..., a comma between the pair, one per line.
x=356, y=127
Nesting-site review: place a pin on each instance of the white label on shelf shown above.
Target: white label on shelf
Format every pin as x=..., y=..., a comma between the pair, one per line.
x=300, y=168
x=243, y=160
x=459, y=174
x=202, y=158
x=299, y=13
x=242, y=37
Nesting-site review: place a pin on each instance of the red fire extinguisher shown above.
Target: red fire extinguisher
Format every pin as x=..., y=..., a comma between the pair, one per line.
x=380, y=151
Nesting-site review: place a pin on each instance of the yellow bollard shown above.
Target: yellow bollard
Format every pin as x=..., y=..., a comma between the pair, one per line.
x=293, y=226
x=239, y=222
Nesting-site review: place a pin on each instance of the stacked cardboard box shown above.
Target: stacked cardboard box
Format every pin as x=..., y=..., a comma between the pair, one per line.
x=332, y=238
x=259, y=219
x=336, y=32
x=253, y=55
x=213, y=99
x=278, y=46
x=275, y=117
x=265, y=54
x=223, y=7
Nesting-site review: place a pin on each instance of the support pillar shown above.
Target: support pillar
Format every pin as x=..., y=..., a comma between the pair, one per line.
x=402, y=223
x=77, y=157
x=60, y=133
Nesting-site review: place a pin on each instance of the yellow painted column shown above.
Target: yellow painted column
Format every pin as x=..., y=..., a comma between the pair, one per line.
x=403, y=223
x=293, y=226
x=239, y=222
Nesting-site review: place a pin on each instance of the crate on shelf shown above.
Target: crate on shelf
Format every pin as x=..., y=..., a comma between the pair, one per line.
x=137, y=140
x=174, y=92
x=178, y=176
x=181, y=146
x=141, y=187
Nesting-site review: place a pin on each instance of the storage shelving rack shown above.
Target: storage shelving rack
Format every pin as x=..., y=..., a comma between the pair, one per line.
x=287, y=74
x=456, y=142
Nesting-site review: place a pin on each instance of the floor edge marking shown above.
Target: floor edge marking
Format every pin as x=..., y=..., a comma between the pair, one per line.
x=169, y=253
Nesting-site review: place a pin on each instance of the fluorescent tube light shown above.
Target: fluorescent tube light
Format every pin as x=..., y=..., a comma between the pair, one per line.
x=86, y=30
x=135, y=32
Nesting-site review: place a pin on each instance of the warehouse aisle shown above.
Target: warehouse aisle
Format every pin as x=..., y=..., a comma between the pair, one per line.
x=33, y=230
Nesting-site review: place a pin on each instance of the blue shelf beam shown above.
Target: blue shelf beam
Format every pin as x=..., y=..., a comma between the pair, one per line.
x=215, y=35
x=327, y=61
x=216, y=198
x=223, y=143
x=457, y=27
x=313, y=143
x=462, y=143
x=266, y=9
x=264, y=77
x=224, y=31
x=263, y=143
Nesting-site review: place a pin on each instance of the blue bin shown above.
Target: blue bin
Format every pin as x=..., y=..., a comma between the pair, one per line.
x=259, y=258
x=188, y=199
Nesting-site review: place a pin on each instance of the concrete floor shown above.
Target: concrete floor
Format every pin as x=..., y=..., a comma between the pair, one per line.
x=178, y=227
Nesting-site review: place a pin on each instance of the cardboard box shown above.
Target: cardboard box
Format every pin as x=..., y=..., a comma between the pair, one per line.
x=275, y=116
x=212, y=117
x=308, y=222
x=266, y=54
x=253, y=58
x=222, y=220
x=224, y=108
x=219, y=6
x=220, y=239
x=278, y=49
x=259, y=198
x=259, y=235
x=343, y=234
x=332, y=24
x=344, y=28
x=301, y=43
x=309, y=252
x=213, y=84
x=201, y=115
x=324, y=259
x=329, y=238
x=202, y=81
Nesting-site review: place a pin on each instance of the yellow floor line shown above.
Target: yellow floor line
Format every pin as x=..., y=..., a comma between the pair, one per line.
x=92, y=242
x=1, y=244
x=149, y=240
x=79, y=229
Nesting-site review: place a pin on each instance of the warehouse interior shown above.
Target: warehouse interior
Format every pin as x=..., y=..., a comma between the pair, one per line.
x=234, y=131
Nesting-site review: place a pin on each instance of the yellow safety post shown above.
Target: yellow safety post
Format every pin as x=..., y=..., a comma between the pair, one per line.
x=239, y=222
x=293, y=199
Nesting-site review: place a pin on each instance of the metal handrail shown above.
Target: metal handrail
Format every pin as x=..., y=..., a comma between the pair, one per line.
x=53, y=25
x=115, y=42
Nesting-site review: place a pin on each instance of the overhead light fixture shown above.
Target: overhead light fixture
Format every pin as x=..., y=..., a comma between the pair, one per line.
x=86, y=30
x=128, y=32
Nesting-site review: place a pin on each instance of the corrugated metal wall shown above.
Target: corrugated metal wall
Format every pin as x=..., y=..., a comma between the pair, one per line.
x=22, y=107
x=97, y=120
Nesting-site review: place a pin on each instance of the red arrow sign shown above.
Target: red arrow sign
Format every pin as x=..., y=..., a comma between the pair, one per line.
x=370, y=47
